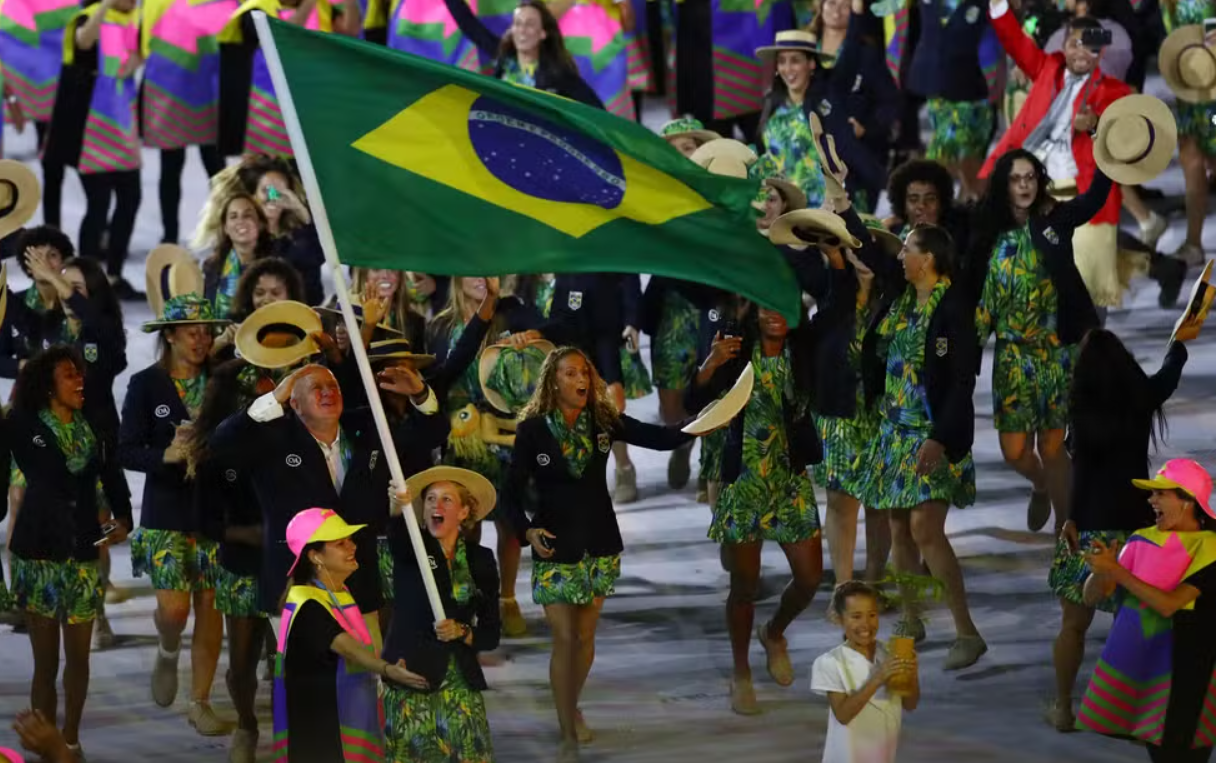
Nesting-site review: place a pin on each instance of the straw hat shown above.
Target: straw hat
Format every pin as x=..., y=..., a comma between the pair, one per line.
x=518, y=373
x=278, y=335
x=170, y=271
x=392, y=349
x=811, y=226
x=720, y=412
x=792, y=195
x=793, y=39
x=1063, y=189
x=478, y=486
x=19, y=196
x=725, y=156
x=1136, y=139
x=688, y=127
x=1188, y=65
x=184, y=310
x=891, y=244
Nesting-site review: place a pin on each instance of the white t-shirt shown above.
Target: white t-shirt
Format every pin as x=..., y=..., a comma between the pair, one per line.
x=873, y=735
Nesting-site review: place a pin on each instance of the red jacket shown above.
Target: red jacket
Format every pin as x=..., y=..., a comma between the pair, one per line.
x=1046, y=73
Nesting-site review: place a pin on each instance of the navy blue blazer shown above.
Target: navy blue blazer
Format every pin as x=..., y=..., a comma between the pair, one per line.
x=151, y=412
x=59, y=514
x=223, y=498
x=590, y=311
x=946, y=62
x=289, y=475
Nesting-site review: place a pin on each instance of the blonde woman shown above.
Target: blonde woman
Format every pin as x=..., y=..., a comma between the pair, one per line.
x=391, y=289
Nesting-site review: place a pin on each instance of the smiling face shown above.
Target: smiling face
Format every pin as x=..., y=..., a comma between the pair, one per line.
x=916, y=261
x=1173, y=512
x=317, y=399
x=1023, y=184
x=336, y=560
x=685, y=144
x=1079, y=59
x=191, y=343
x=795, y=67
x=386, y=281
x=774, y=206
x=573, y=382
x=860, y=621
x=443, y=510
x=241, y=223
x=921, y=204
x=773, y=325
x=279, y=182
x=835, y=13
x=473, y=288
x=69, y=386
x=268, y=290
x=527, y=30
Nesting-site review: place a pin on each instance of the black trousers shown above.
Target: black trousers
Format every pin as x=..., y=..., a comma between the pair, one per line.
x=1164, y=755
x=172, y=163
x=52, y=179
x=99, y=189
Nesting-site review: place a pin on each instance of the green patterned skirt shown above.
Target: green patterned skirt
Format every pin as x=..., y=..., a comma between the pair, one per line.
x=68, y=591
x=891, y=481
x=779, y=507
x=1069, y=571
x=580, y=583
x=634, y=376
x=1198, y=121
x=384, y=561
x=961, y=130
x=673, y=350
x=1030, y=387
x=236, y=595
x=175, y=561
x=842, y=469
x=712, y=445
x=444, y=726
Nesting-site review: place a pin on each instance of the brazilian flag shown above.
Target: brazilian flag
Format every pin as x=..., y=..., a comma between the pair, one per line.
x=426, y=167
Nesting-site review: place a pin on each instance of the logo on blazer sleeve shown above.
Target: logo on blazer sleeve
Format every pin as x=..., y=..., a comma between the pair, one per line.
x=293, y=460
x=542, y=459
x=574, y=300
x=162, y=411
x=604, y=442
x=943, y=346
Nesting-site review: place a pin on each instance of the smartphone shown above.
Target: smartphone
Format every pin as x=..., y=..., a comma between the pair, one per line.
x=545, y=541
x=272, y=193
x=731, y=329
x=106, y=529
x=1096, y=39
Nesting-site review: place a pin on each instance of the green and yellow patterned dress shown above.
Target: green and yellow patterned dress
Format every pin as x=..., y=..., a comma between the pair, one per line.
x=592, y=577
x=772, y=499
x=1032, y=369
x=845, y=440
x=673, y=351
x=67, y=591
x=791, y=144
x=960, y=129
x=904, y=421
x=225, y=289
x=444, y=726
x=1195, y=120
x=175, y=560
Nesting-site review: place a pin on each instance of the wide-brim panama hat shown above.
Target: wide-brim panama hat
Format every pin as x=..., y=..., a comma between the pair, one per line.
x=1186, y=475
x=792, y=227
x=688, y=127
x=170, y=271
x=891, y=244
x=725, y=156
x=720, y=412
x=293, y=321
x=793, y=39
x=19, y=196
x=478, y=486
x=1188, y=65
x=313, y=526
x=792, y=195
x=183, y=310
x=397, y=349
x=1136, y=139
x=508, y=376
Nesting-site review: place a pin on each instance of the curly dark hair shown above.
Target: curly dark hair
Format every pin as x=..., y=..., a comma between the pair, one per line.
x=920, y=171
x=994, y=212
x=242, y=303
x=36, y=379
x=43, y=235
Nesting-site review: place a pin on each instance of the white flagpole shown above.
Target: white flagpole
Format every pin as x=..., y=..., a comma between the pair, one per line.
x=316, y=206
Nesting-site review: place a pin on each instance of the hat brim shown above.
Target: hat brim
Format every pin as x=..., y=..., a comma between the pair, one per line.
x=1160, y=153
x=722, y=411
x=151, y=327
x=890, y=244
x=791, y=194
x=769, y=52
x=287, y=312
x=328, y=531
x=379, y=326
x=187, y=278
x=479, y=487
x=1161, y=483
x=701, y=136
x=723, y=148
x=1170, y=55
x=420, y=361
x=27, y=192
x=782, y=230
x=485, y=366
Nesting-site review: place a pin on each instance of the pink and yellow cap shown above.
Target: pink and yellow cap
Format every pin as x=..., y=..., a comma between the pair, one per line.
x=1186, y=475
x=314, y=525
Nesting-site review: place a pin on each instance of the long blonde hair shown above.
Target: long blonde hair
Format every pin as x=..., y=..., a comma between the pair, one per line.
x=544, y=399
x=457, y=311
x=398, y=312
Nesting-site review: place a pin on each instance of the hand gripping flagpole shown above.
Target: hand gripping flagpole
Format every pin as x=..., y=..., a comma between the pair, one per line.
x=317, y=207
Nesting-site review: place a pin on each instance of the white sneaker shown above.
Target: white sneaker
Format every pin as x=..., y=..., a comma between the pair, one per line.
x=103, y=635
x=1191, y=254
x=1151, y=230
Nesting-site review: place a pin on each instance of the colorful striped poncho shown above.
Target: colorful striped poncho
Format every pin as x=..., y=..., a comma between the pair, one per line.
x=31, y=47
x=111, y=129
x=597, y=41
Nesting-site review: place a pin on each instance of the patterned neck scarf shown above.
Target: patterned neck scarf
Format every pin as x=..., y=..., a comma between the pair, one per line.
x=230, y=276
x=544, y=296
x=575, y=443
x=519, y=74
x=191, y=392
x=468, y=387
x=462, y=577
x=75, y=439
x=907, y=312
x=67, y=332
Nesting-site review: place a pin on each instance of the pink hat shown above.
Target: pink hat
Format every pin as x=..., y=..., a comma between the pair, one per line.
x=312, y=525
x=1186, y=475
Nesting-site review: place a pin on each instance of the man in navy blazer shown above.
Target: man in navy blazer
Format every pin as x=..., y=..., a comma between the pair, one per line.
x=303, y=450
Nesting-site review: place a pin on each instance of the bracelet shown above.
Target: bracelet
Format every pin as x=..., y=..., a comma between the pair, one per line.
x=384, y=670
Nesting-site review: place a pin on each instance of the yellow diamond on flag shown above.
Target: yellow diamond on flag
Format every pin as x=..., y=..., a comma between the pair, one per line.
x=508, y=157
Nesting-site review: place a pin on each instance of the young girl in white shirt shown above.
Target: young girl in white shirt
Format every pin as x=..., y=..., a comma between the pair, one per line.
x=863, y=725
